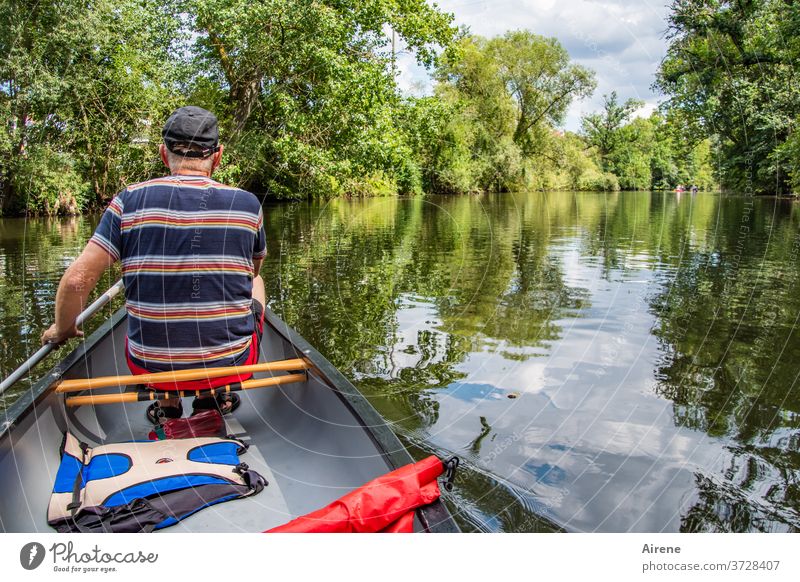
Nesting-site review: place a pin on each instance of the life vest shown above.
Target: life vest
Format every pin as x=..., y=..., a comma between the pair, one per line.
x=142, y=486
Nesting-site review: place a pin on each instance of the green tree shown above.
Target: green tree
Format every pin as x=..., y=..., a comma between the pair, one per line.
x=603, y=129
x=541, y=80
x=731, y=69
x=83, y=88
x=304, y=90
x=508, y=95
x=306, y=93
x=631, y=159
x=658, y=152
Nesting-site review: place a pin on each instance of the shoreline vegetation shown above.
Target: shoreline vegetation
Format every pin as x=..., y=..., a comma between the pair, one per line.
x=309, y=104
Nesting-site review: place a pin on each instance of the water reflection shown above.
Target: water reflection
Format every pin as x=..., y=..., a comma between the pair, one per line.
x=33, y=255
x=649, y=339
x=601, y=362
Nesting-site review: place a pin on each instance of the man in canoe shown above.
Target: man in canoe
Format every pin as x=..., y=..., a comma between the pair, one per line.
x=191, y=249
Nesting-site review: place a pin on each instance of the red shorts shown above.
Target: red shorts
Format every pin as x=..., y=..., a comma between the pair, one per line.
x=252, y=358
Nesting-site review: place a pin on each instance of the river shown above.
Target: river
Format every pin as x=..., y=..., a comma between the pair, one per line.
x=600, y=362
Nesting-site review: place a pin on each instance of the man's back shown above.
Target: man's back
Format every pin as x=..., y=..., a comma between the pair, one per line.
x=187, y=245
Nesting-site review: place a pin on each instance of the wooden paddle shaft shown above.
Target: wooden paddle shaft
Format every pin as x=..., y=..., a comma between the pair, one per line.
x=179, y=376
x=148, y=395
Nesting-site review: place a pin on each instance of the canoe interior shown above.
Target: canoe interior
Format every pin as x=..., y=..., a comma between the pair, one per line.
x=309, y=442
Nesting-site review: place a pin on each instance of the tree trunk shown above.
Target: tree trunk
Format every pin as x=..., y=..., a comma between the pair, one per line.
x=244, y=88
x=6, y=195
x=245, y=96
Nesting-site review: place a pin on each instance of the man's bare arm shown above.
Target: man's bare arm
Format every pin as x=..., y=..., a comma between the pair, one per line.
x=78, y=281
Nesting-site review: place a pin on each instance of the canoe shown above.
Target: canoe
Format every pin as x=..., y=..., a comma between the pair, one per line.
x=313, y=441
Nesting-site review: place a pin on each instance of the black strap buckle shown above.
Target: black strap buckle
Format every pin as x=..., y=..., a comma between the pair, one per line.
x=450, y=467
x=243, y=446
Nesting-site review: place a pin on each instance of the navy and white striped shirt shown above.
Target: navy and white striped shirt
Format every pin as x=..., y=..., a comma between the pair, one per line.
x=187, y=245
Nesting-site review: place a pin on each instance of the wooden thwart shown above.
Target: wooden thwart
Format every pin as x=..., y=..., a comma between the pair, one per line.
x=77, y=385
x=147, y=395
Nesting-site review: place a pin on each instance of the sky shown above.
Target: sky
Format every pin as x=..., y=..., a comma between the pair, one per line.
x=621, y=40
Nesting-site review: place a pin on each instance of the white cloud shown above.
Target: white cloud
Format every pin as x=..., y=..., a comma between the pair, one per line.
x=621, y=40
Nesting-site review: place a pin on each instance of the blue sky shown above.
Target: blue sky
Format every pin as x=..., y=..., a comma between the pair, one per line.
x=621, y=40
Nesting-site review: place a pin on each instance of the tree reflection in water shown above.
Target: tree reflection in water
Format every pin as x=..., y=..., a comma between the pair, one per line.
x=439, y=308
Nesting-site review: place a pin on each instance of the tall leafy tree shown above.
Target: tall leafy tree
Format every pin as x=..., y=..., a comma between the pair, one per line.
x=510, y=93
x=306, y=89
x=83, y=87
x=602, y=129
x=731, y=69
x=541, y=80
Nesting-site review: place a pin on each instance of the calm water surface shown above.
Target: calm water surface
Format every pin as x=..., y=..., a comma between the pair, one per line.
x=600, y=362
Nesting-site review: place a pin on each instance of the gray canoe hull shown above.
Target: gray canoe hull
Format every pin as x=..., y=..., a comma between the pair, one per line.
x=313, y=441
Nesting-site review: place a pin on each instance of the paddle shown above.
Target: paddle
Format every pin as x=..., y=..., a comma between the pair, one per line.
x=145, y=396
x=77, y=385
x=49, y=347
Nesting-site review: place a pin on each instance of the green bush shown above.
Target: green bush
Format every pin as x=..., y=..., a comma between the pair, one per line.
x=50, y=182
x=790, y=152
x=596, y=180
x=374, y=184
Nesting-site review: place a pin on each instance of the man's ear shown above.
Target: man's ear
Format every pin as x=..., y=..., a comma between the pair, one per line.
x=217, y=158
x=162, y=149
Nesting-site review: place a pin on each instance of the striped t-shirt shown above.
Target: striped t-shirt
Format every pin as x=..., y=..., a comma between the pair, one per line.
x=187, y=245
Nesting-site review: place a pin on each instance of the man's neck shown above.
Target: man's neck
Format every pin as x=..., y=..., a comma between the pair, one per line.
x=192, y=173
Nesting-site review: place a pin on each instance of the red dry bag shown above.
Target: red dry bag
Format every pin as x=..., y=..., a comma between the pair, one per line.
x=203, y=424
x=384, y=504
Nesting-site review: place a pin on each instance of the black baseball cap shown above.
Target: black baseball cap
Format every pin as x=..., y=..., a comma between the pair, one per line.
x=192, y=126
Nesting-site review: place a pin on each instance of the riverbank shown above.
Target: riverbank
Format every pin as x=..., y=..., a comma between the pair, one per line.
x=97, y=208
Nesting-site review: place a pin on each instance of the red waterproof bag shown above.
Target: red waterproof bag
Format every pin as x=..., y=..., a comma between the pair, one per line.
x=203, y=424
x=384, y=504
x=403, y=525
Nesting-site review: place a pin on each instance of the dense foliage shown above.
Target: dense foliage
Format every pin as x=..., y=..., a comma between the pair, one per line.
x=506, y=96
x=309, y=104
x=506, y=99
x=80, y=88
x=649, y=153
x=731, y=72
x=306, y=90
